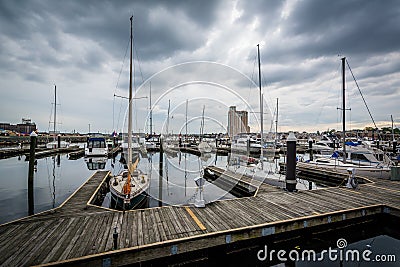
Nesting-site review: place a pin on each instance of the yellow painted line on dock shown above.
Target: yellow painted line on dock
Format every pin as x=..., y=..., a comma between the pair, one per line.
x=351, y=190
x=388, y=189
x=195, y=219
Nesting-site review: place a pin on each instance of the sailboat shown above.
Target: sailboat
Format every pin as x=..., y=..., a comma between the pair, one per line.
x=252, y=168
x=270, y=146
x=370, y=166
x=204, y=147
x=129, y=188
x=54, y=143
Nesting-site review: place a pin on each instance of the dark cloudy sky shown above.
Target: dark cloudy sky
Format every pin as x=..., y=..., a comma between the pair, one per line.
x=201, y=51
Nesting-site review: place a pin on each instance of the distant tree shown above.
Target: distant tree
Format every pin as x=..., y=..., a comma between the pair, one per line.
x=387, y=130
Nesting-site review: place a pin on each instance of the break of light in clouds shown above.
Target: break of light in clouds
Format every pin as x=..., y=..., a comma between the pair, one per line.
x=80, y=46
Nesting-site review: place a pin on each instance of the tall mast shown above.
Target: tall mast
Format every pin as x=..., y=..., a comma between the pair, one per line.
x=276, y=122
x=202, y=125
x=130, y=103
x=151, y=114
x=393, y=139
x=186, y=122
x=344, y=108
x=55, y=112
x=261, y=105
x=169, y=106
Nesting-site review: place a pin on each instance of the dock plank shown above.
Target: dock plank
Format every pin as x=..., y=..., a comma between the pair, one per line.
x=77, y=229
x=107, y=231
x=54, y=244
x=160, y=225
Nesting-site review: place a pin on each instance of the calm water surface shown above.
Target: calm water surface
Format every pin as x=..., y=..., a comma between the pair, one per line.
x=56, y=178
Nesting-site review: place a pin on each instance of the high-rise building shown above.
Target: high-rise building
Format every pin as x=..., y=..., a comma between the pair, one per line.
x=237, y=122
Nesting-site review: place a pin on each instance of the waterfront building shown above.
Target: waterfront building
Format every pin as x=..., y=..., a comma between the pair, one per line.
x=26, y=126
x=238, y=122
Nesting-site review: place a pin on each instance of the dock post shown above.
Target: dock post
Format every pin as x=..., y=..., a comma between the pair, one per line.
x=310, y=142
x=160, y=172
x=30, y=172
x=291, y=162
x=115, y=239
x=58, y=141
x=394, y=146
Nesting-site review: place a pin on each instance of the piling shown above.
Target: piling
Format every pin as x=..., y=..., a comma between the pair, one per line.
x=30, y=172
x=58, y=141
x=394, y=146
x=310, y=142
x=291, y=162
x=115, y=239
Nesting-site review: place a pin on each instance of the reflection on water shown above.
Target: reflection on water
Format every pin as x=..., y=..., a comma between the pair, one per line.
x=175, y=184
x=55, y=179
x=96, y=163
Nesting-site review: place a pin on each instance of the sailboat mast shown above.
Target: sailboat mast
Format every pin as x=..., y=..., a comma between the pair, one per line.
x=169, y=106
x=261, y=105
x=151, y=114
x=202, y=125
x=130, y=103
x=55, y=113
x=344, y=109
x=186, y=122
x=276, y=122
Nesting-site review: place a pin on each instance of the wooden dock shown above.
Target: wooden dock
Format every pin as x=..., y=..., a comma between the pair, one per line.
x=80, y=233
x=53, y=151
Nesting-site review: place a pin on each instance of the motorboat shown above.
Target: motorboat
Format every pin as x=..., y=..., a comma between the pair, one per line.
x=54, y=144
x=96, y=146
x=240, y=145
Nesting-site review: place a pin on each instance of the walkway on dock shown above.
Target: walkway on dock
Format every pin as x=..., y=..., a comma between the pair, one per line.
x=80, y=233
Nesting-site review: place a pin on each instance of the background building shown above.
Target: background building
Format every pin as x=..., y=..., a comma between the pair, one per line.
x=26, y=127
x=238, y=122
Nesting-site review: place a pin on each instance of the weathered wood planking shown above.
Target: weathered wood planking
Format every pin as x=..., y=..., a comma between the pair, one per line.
x=80, y=231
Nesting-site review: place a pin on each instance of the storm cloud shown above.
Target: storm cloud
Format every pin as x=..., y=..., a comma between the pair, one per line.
x=82, y=47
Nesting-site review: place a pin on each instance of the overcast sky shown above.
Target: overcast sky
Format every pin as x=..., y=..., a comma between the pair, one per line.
x=204, y=52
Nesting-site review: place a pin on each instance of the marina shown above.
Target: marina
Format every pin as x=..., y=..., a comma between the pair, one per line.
x=81, y=233
x=213, y=133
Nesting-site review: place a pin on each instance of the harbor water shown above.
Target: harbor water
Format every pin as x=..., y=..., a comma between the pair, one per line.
x=57, y=177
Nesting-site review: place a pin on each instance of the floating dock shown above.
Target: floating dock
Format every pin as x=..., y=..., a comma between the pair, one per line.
x=79, y=233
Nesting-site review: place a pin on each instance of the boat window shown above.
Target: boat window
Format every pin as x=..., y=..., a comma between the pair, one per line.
x=97, y=144
x=360, y=157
